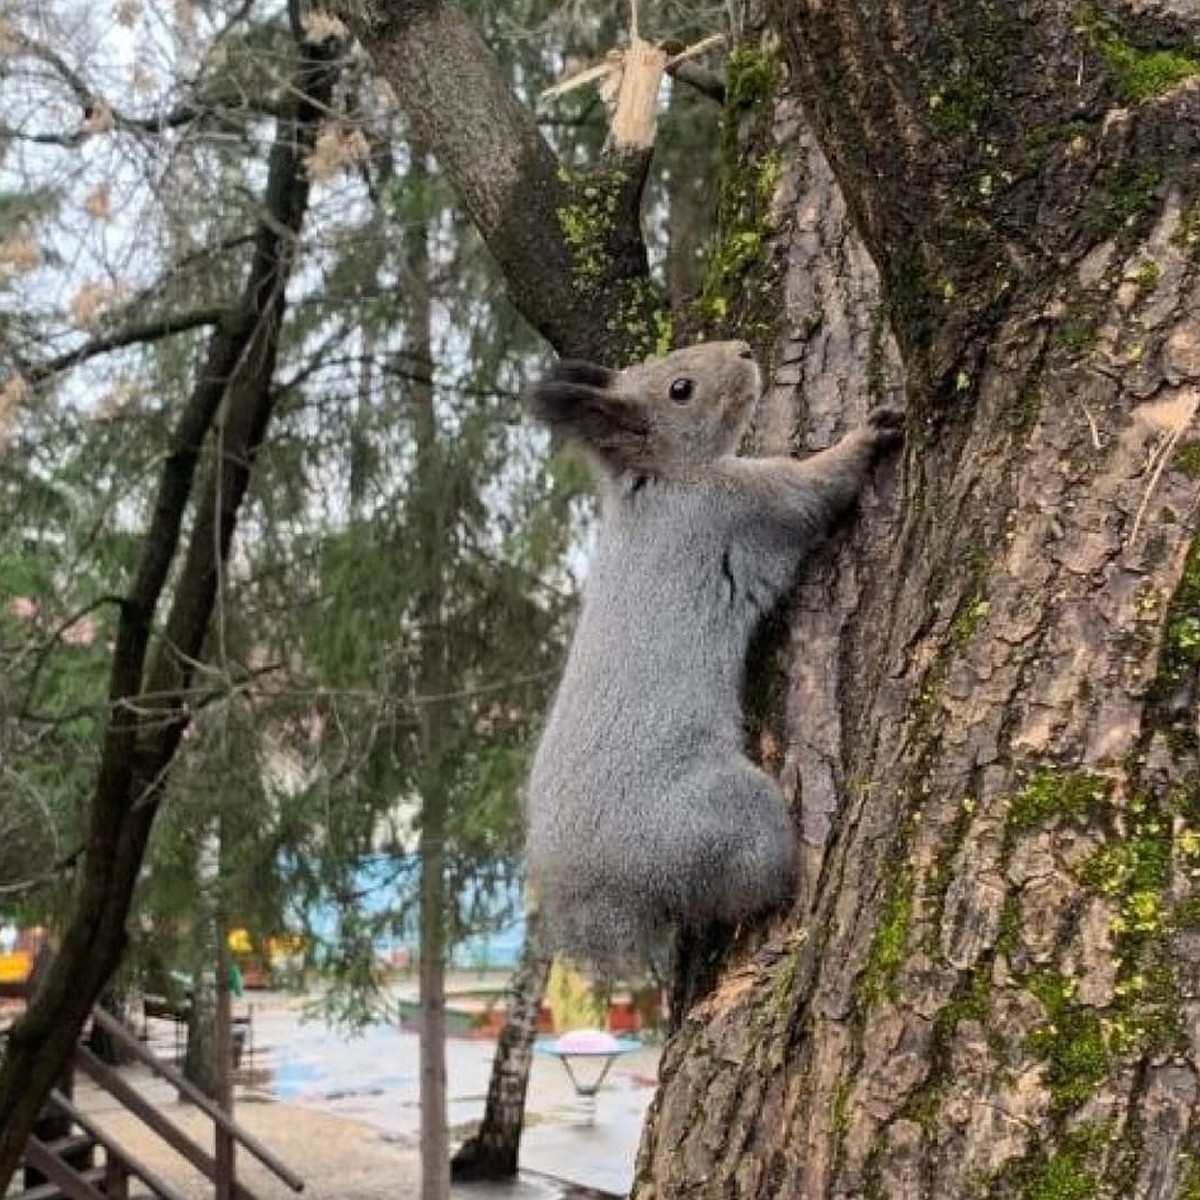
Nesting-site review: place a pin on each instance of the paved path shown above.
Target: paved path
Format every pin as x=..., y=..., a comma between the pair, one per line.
x=299, y=1074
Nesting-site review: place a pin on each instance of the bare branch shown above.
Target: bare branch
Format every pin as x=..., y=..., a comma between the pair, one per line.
x=56, y=636
x=127, y=335
x=99, y=116
x=707, y=83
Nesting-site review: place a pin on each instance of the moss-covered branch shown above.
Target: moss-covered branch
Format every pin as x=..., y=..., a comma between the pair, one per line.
x=570, y=244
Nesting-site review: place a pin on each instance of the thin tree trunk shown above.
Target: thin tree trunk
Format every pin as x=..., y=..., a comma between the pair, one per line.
x=688, y=192
x=435, y=1146
x=138, y=749
x=114, y=1001
x=494, y=1149
x=202, y=1056
x=200, y=1050
x=433, y=516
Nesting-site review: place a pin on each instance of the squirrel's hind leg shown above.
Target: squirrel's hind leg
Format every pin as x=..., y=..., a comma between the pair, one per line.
x=742, y=852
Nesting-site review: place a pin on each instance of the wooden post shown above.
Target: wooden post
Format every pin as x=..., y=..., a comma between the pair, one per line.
x=225, y=1143
x=224, y=1146
x=116, y=1178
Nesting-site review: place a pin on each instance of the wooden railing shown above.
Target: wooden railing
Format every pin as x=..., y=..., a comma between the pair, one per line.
x=50, y=1159
x=219, y=1169
x=119, y=1167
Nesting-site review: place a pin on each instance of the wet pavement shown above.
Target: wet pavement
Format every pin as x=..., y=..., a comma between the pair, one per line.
x=373, y=1078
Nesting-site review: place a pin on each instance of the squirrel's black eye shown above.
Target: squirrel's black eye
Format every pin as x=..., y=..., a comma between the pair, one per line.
x=681, y=390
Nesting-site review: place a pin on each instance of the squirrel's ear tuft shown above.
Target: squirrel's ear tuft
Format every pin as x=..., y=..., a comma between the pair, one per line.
x=570, y=385
x=555, y=401
x=576, y=370
x=580, y=400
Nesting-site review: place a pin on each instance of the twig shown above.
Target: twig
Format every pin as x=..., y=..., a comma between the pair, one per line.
x=1163, y=458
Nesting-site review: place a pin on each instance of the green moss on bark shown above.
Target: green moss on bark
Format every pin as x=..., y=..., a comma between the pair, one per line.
x=636, y=321
x=1189, y=1178
x=1051, y=795
x=1180, y=658
x=740, y=292
x=1071, y=1041
x=1068, y=1172
x=969, y=1003
x=1187, y=459
x=1142, y=75
x=1124, y=194
x=889, y=942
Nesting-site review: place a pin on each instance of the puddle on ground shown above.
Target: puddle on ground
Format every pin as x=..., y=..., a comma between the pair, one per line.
x=291, y=1079
x=350, y=1093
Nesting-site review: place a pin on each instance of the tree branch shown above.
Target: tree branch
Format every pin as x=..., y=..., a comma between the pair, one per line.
x=128, y=335
x=703, y=80
x=506, y=175
x=518, y=195
x=100, y=116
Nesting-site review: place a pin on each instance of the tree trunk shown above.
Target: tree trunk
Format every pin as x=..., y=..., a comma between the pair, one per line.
x=435, y=1144
x=147, y=694
x=200, y=1053
x=988, y=986
x=114, y=1001
x=430, y=528
x=493, y=1151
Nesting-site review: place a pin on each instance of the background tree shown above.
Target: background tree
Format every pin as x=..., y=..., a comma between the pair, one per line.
x=176, y=567
x=266, y=689
x=150, y=682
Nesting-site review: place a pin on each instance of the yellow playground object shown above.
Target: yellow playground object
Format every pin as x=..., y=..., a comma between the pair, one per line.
x=15, y=967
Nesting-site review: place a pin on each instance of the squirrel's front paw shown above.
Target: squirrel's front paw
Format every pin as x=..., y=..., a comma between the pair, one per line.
x=886, y=425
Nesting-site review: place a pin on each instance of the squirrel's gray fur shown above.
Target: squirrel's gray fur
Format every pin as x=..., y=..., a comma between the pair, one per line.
x=644, y=813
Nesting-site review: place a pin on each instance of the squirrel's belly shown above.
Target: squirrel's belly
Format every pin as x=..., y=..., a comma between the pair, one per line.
x=606, y=751
x=650, y=693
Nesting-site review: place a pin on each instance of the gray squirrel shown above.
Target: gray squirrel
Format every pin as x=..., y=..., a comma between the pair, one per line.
x=644, y=814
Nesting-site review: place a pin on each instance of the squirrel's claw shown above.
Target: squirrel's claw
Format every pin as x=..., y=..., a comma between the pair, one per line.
x=886, y=423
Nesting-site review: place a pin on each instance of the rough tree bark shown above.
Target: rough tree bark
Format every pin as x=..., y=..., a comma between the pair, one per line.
x=148, y=691
x=989, y=985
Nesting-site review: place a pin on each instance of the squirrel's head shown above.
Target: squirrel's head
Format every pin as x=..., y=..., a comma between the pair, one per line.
x=688, y=407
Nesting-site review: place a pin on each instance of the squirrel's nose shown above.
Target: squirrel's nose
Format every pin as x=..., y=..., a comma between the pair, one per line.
x=743, y=350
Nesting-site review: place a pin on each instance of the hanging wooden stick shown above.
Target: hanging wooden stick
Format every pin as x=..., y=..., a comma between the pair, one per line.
x=628, y=81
